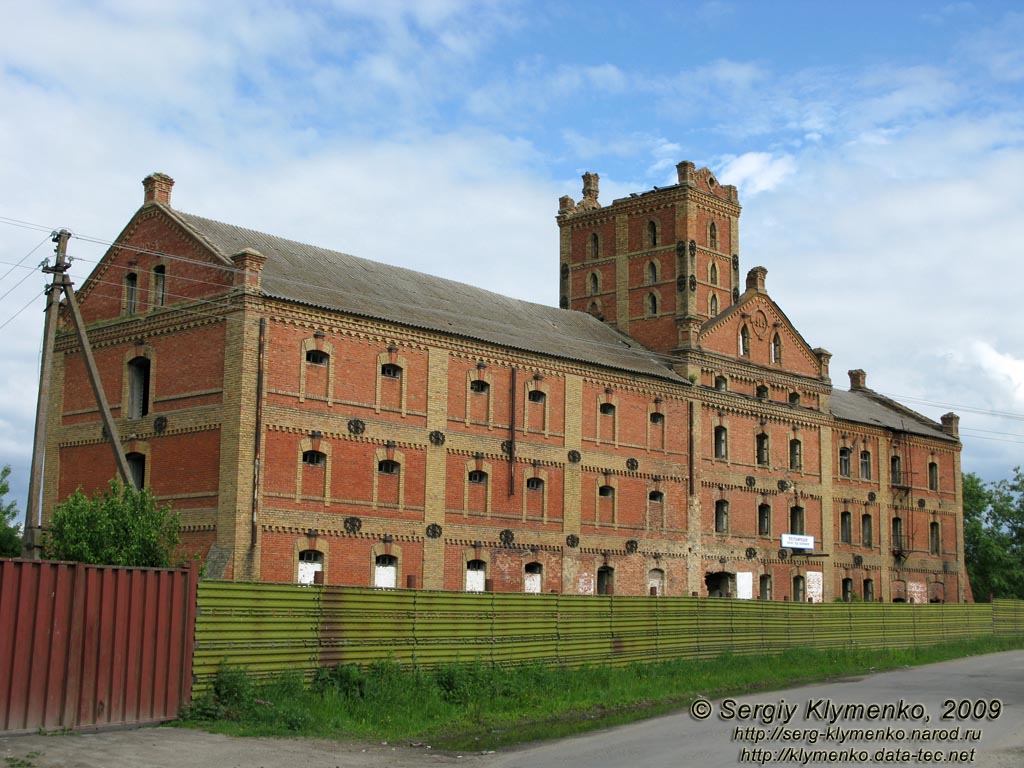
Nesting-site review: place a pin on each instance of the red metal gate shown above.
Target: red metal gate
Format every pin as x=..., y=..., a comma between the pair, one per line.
x=88, y=646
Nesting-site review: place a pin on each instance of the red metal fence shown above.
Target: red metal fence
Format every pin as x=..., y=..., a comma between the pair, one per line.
x=86, y=646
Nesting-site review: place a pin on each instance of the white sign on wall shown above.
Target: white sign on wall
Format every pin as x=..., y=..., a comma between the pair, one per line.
x=745, y=586
x=793, y=541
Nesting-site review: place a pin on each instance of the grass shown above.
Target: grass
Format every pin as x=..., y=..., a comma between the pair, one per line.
x=479, y=707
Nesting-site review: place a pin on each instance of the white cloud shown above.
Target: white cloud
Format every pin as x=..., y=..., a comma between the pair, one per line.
x=756, y=172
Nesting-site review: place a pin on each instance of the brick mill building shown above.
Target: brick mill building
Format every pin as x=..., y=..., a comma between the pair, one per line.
x=314, y=415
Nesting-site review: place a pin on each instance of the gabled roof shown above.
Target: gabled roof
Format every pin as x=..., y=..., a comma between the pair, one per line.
x=337, y=281
x=865, y=406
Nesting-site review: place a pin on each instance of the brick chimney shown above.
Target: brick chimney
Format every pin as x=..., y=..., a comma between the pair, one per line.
x=858, y=379
x=158, y=189
x=684, y=171
x=951, y=424
x=755, y=279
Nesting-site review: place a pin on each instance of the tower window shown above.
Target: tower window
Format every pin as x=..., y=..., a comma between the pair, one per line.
x=652, y=234
x=388, y=467
x=844, y=462
x=314, y=458
x=744, y=342
x=159, y=283
x=933, y=476
x=657, y=418
x=897, y=533
x=478, y=477
x=798, y=589
x=479, y=386
x=536, y=396
x=776, y=348
x=761, y=449
x=896, y=471
x=656, y=497
x=595, y=284
x=652, y=304
x=934, y=539
x=764, y=520
x=131, y=293
x=865, y=530
x=534, y=484
x=847, y=590
x=391, y=371
x=595, y=246
x=794, y=398
x=761, y=392
x=713, y=305
x=317, y=357
x=865, y=465
x=721, y=383
x=138, y=388
x=652, y=273
x=713, y=235
x=137, y=469
x=713, y=274
x=721, y=516
x=796, y=455
x=606, y=491
x=796, y=520
x=607, y=409
x=721, y=443
x=846, y=528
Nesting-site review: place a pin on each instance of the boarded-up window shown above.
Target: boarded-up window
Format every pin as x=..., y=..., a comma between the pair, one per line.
x=476, y=575
x=656, y=581
x=532, y=579
x=385, y=572
x=311, y=563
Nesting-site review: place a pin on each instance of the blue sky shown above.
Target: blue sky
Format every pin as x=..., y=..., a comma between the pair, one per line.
x=878, y=148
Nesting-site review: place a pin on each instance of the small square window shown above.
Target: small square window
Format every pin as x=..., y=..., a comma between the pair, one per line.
x=657, y=418
x=607, y=409
x=534, y=484
x=606, y=490
x=656, y=497
x=388, y=467
x=391, y=371
x=536, y=396
x=314, y=458
x=479, y=386
x=477, y=477
x=317, y=357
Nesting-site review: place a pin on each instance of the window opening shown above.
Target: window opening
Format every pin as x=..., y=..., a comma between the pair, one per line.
x=652, y=273
x=865, y=465
x=713, y=276
x=311, y=563
x=385, y=572
x=536, y=396
x=478, y=476
x=865, y=530
x=656, y=497
x=776, y=349
x=314, y=458
x=595, y=284
x=532, y=578
x=714, y=305
x=138, y=387
x=476, y=576
x=896, y=471
x=131, y=293
x=391, y=371
x=721, y=516
x=137, y=469
x=796, y=456
x=721, y=383
x=844, y=462
x=798, y=589
x=846, y=528
x=534, y=484
x=761, y=392
x=933, y=476
x=721, y=443
x=657, y=418
x=897, y=533
x=762, y=449
x=607, y=409
x=606, y=491
x=317, y=357
x=796, y=521
x=595, y=246
x=479, y=386
x=388, y=467
x=847, y=590
x=765, y=584
x=159, y=283
x=652, y=233
x=656, y=582
x=869, y=591
x=744, y=342
x=713, y=235
x=652, y=304
x=605, y=580
x=934, y=541
x=764, y=520
x=794, y=398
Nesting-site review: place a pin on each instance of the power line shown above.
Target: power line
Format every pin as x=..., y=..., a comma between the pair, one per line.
x=23, y=259
x=30, y=302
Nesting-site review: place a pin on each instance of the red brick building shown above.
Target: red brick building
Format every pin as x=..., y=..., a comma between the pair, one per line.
x=310, y=412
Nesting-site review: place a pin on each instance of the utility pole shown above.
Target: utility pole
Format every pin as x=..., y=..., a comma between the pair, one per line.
x=61, y=284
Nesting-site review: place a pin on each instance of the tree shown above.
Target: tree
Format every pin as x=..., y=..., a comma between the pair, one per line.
x=117, y=526
x=10, y=531
x=994, y=536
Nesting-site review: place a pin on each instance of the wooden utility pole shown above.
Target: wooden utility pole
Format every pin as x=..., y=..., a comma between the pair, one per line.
x=61, y=284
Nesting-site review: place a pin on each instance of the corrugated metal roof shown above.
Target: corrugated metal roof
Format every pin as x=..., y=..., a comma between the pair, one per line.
x=867, y=407
x=338, y=281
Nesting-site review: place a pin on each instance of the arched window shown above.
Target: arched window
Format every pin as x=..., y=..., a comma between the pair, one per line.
x=713, y=274
x=933, y=476
x=533, y=576
x=479, y=386
x=652, y=273
x=478, y=477
x=866, y=530
x=534, y=484
x=605, y=580
x=476, y=576
x=391, y=371
x=844, y=462
x=388, y=467
x=311, y=563
x=897, y=533
x=656, y=497
x=764, y=520
x=846, y=528
x=776, y=348
x=652, y=304
x=138, y=387
x=652, y=233
x=607, y=409
x=657, y=418
x=934, y=538
x=317, y=357
x=385, y=572
x=796, y=454
x=798, y=589
x=595, y=246
x=137, y=469
x=895, y=470
x=314, y=458
x=713, y=235
x=745, y=341
x=869, y=591
x=159, y=285
x=721, y=443
x=606, y=491
x=595, y=284
x=847, y=590
x=536, y=396
x=865, y=465
x=655, y=582
x=765, y=583
x=761, y=449
x=713, y=305
x=721, y=516
x=796, y=521
x=131, y=293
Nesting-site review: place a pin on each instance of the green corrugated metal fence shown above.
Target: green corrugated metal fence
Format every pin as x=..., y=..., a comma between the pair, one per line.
x=269, y=628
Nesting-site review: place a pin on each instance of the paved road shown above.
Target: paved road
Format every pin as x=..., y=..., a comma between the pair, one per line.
x=672, y=741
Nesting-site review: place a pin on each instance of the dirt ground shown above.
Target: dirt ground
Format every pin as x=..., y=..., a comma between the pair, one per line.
x=187, y=748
